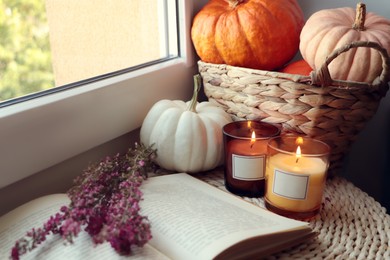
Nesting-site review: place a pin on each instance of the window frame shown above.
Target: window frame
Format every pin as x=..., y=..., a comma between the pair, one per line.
x=44, y=131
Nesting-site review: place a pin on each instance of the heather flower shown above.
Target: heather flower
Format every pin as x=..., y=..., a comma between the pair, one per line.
x=104, y=202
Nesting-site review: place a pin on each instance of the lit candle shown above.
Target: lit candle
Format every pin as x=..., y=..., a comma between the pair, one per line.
x=295, y=181
x=248, y=158
x=245, y=156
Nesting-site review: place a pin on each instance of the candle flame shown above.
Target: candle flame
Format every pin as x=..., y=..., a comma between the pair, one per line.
x=299, y=140
x=253, y=138
x=298, y=153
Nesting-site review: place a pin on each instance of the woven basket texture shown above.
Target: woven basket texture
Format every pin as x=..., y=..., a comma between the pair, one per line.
x=317, y=106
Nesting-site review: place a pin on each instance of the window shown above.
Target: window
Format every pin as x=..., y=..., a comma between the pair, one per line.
x=43, y=131
x=55, y=43
x=24, y=48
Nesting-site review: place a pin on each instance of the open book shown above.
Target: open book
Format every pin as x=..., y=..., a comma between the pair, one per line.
x=190, y=219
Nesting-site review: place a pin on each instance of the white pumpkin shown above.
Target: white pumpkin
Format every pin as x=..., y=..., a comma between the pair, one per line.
x=187, y=135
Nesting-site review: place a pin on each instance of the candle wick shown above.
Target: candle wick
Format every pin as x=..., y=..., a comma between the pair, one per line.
x=252, y=145
x=296, y=161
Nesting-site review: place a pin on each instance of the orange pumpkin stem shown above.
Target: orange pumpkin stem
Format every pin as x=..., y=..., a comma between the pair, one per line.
x=234, y=3
x=360, y=17
x=194, y=99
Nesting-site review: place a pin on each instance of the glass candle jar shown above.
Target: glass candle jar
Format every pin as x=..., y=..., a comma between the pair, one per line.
x=295, y=176
x=245, y=156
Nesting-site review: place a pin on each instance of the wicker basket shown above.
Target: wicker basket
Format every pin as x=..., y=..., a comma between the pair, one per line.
x=317, y=106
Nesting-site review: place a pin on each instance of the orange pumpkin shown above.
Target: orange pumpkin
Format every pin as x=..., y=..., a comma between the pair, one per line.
x=259, y=34
x=300, y=67
x=329, y=29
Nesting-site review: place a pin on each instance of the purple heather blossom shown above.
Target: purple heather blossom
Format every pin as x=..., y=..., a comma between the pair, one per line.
x=105, y=203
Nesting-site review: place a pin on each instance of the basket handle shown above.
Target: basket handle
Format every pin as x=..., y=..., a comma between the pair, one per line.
x=322, y=76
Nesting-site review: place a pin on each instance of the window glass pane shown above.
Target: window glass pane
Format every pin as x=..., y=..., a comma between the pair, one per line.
x=54, y=42
x=25, y=60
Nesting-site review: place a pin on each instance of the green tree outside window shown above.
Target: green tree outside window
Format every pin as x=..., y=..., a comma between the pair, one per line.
x=25, y=58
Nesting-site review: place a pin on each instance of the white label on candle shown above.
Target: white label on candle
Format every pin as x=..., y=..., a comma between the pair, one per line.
x=248, y=168
x=290, y=185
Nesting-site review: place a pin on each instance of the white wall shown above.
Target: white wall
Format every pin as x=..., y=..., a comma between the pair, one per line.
x=368, y=164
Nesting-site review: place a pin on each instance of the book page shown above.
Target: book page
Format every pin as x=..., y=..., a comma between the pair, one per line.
x=192, y=220
x=15, y=224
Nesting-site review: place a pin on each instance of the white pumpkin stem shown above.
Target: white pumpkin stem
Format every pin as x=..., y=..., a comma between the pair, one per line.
x=194, y=99
x=360, y=17
x=234, y=3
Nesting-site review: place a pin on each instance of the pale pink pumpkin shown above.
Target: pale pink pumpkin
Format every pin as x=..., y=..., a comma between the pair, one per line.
x=329, y=29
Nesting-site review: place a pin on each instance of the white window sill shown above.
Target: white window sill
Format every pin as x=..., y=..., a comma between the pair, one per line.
x=40, y=133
